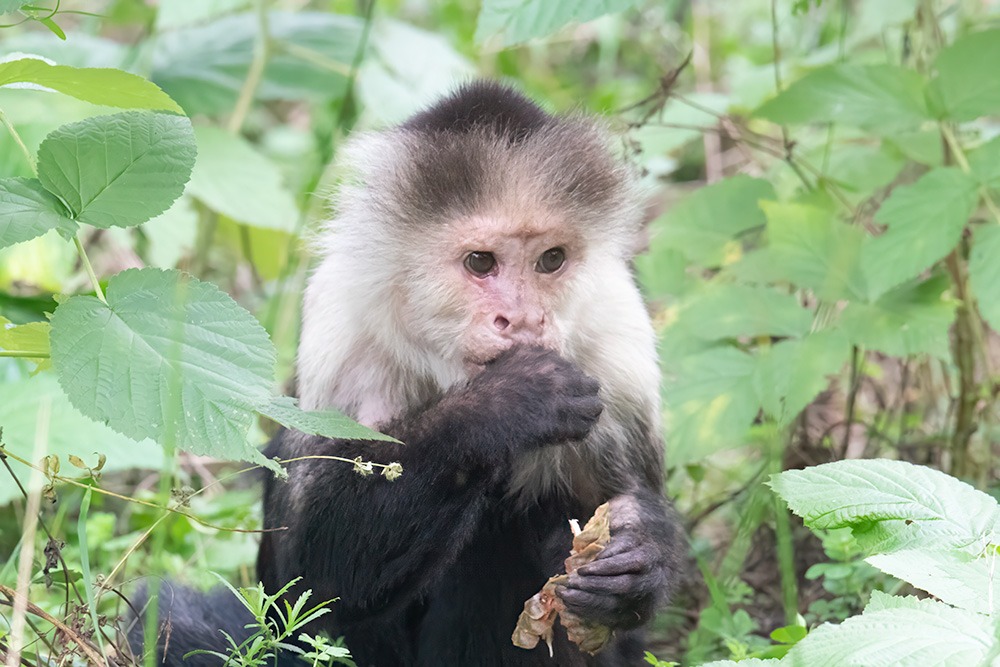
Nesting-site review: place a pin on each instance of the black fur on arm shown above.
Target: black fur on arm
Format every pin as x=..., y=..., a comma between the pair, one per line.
x=377, y=544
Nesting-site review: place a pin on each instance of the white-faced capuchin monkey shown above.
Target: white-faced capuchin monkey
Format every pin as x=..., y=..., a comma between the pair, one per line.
x=475, y=300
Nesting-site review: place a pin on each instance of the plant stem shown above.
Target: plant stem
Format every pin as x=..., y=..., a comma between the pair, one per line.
x=89, y=268
x=783, y=542
x=20, y=142
x=25, y=354
x=262, y=49
x=962, y=351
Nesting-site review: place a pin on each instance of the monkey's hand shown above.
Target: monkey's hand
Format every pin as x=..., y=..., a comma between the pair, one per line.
x=537, y=398
x=622, y=587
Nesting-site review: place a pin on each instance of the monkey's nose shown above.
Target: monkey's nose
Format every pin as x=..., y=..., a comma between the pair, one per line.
x=520, y=326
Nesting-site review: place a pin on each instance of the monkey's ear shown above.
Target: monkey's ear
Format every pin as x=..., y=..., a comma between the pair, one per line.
x=655, y=206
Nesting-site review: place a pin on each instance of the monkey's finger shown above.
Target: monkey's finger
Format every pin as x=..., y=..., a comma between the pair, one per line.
x=628, y=562
x=621, y=543
x=592, y=606
x=627, y=585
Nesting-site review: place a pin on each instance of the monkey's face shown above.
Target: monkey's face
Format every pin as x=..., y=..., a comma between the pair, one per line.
x=504, y=279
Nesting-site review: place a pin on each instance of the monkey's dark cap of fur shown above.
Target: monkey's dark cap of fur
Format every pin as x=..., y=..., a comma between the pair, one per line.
x=482, y=105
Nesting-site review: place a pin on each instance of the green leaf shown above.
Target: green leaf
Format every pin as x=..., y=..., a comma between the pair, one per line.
x=733, y=311
x=169, y=358
x=880, y=98
x=32, y=337
x=809, y=247
x=879, y=601
x=172, y=14
x=704, y=226
x=521, y=20
x=171, y=235
x=984, y=163
x=930, y=634
x=924, y=222
x=329, y=423
x=791, y=373
x=789, y=634
x=53, y=27
x=203, y=67
x=710, y=404
x=966, y=86
x=891, y=505
x=118, y=170
x=955, y=578
x=38, y=408
x=28, y=210
x=913, y=319
x=860, y=168
x=984, y=273
x=7, y=6
x=109, y=87
x=232, y=178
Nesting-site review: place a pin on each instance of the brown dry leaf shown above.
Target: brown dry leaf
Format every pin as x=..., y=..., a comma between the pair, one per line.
x=541, y=610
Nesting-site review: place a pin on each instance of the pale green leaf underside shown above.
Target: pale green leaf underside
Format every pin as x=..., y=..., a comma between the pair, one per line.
x=955, y=578
x=930, y=633
x=897, y=504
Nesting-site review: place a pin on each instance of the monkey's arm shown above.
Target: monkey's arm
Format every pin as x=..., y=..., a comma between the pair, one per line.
x=376, y=544
x=624, y=585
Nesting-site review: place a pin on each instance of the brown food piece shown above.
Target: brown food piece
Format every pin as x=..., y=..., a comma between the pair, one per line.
x=542, y=609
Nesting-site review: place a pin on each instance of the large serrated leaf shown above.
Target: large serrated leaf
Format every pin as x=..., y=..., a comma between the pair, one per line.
x=733, y=311
x=521, y=20
x=110, y=87
x=710, y=404
x=232, y=178
x=791, y=373
x=880, y=98
x=809, y=247
x=28, y=210
x=118, y=170
x=984, y=272
x=704, y=225
x=913, y=319
x=169, y=358
x=966, y=85
x=955, y=578
x=329, y=423
x=891, y=505
x=930, y=633
x=924, y=222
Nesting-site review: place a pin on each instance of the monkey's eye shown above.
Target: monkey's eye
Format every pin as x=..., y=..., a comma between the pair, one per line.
x=551, y=260
x=480, y=263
